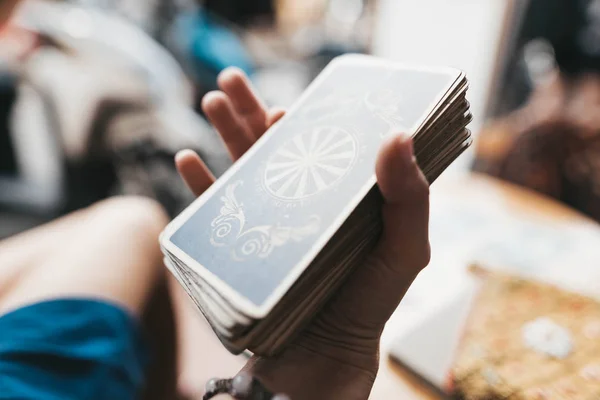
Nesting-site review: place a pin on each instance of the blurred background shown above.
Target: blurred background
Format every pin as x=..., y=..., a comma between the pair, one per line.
x=96, y=97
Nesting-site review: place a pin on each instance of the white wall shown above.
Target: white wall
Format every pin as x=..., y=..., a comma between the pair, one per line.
x=460, y=33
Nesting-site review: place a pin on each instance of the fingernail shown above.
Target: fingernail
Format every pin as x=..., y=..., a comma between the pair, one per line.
x=183, y=154
x=180, y=155
x=405, y=148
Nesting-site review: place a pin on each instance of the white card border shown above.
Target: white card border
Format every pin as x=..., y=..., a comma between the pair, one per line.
x=246, y=306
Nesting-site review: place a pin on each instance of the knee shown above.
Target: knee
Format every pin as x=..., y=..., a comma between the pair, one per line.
x=135, y=215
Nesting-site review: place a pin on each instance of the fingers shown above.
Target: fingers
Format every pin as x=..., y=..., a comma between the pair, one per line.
x=194, y=172
x=239, y=117
x=220, y=111
x=237, y=113
x=236, y=85
x=274, y=115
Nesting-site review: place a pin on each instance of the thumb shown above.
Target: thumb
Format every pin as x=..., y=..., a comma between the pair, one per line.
x=403, y=249
x=374, y=290
x=404, y=245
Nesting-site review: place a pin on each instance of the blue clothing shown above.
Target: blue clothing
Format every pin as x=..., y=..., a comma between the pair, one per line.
x=208, y=46
x=71, y=349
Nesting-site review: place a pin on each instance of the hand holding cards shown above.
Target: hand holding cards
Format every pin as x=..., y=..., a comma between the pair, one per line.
x=263, y=249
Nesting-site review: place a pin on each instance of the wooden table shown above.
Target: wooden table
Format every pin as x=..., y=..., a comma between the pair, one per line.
x=504, y=201
x=488, y=196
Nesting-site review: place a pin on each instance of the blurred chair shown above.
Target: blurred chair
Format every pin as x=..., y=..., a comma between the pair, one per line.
x=103, y=109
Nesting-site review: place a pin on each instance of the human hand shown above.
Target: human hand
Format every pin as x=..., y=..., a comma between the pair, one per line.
x=238, y=115
x=336, y=356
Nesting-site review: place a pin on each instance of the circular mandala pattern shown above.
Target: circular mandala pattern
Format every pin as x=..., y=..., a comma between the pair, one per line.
x=309, y=163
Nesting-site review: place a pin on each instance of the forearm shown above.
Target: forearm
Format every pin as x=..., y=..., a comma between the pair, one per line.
x=304, y=374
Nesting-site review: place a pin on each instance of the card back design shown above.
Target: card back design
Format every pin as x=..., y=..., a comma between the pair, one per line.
x=229, y=228
x=310, y=163
x=387, y=106
x=255, y=231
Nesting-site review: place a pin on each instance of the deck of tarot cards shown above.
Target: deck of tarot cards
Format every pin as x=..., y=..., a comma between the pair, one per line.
x=263, y=249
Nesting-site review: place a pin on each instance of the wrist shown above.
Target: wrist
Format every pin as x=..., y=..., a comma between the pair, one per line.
x=305, y=372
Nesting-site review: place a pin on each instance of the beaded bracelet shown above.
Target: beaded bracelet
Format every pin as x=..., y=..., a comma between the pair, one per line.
x=243, y=386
